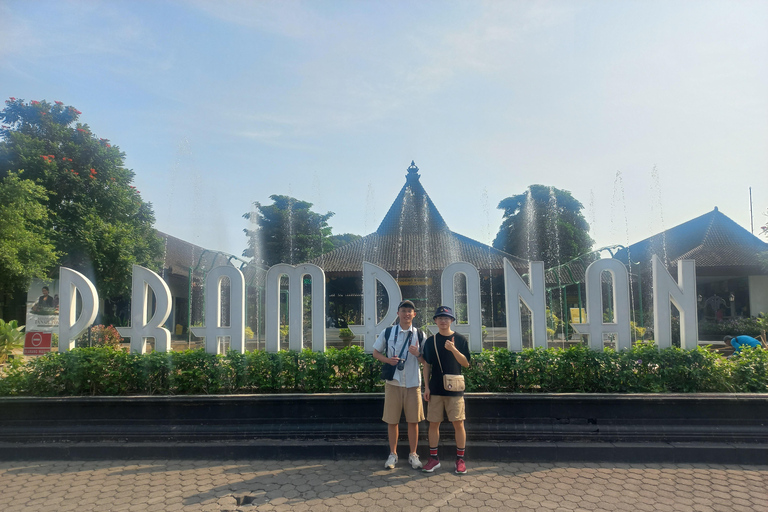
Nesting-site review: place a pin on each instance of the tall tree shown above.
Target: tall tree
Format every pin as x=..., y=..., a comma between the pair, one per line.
x=344, y=239
x=26, y=251
x=543, y=224
x=98, y=221
x=287, y=231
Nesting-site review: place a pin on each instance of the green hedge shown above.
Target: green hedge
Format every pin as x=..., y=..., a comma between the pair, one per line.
x=642, y=369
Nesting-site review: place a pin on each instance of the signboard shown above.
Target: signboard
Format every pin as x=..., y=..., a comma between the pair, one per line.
x=43, y=306
x=578, y=316
x=42, y=323
x=532, y=294
x=415, y=281
x=37, y=343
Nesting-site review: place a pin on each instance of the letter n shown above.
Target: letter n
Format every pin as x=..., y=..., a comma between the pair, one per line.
x=533, y=297
x=683, y=295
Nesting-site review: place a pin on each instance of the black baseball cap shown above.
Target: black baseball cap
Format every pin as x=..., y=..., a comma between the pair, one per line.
x=444, y=311
x=406, y=304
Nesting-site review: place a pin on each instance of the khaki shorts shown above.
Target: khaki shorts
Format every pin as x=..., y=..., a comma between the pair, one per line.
x=452, y=405
x=398, y=399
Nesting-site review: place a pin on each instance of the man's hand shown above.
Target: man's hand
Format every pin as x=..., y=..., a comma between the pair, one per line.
x=450, y=346
x=414, y=350
x=384, y=359
x=426, y=394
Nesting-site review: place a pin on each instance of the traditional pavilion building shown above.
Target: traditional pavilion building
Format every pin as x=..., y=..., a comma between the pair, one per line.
x=414, y=244
x=731, y=264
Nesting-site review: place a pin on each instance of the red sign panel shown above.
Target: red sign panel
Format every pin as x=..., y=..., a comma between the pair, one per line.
x=37, y=343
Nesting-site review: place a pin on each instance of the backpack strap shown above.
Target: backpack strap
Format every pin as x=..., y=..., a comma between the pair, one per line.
x=387, y=332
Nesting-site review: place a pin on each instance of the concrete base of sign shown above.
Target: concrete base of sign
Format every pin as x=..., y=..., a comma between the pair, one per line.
x=569, y=427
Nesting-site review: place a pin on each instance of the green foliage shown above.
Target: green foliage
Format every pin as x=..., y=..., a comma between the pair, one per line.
x=346, y=335
x=749, y=326
x=642, y=369
x=491, y=370
x=26, y=251
x=554, y=324
x=563, y=216
x=101, y=336
x=11, y=338
x=195, y=372
x=638, y=332
x=342, y=240
x=762, y=322
x=287, y=231
x=97, y=220
x=750, y=371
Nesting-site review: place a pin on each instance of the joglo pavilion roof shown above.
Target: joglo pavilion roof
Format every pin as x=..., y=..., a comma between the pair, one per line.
x=718, y=244
x=412, y=239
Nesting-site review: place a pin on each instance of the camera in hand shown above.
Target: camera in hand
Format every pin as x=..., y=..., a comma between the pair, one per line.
x=401, y=364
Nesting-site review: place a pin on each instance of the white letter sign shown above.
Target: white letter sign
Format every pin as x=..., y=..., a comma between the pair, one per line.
x=534, y=297
x=594, y=326
x=141, y=328
x=295, y=311
x=213, y=328
x=71, y=282
x=370, y=328
x=683, y=295
x=474, y=327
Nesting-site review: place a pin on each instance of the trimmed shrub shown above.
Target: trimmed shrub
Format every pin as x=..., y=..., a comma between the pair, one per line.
x=641, y=369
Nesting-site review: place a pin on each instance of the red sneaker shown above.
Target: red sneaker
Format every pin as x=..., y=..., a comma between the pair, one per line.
x=431, y=465
x=461, y=467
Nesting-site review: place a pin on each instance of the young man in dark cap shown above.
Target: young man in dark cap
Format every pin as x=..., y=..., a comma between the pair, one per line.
x=400, y=346
x=445, y=353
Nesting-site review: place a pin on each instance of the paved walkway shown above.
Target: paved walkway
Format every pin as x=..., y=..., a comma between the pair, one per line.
x=319, y=486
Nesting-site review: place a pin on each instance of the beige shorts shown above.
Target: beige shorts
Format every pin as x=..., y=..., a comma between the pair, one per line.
x=398, y=399
x=452, y=405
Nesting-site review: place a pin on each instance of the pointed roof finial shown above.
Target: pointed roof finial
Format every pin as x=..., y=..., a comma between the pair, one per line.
x=413, y=172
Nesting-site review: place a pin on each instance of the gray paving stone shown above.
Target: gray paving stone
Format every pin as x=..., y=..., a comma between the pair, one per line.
x=363, y=485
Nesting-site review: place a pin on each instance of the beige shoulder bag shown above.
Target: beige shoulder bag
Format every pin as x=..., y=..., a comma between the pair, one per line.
x=450, y=382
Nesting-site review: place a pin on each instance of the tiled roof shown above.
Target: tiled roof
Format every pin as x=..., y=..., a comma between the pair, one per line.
x=413, y=237
x=411, y=252
x=180, y=256
x=713, y=240
x=412, y=212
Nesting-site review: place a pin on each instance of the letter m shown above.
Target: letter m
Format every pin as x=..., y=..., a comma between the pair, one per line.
x=296, y=306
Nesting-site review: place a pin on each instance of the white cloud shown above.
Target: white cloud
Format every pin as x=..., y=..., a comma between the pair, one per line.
x=290, y=19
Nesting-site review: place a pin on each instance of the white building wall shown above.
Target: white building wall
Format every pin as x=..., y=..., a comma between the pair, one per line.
x=758, y=295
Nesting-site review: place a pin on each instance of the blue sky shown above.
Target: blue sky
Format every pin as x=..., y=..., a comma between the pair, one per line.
x=650, y=113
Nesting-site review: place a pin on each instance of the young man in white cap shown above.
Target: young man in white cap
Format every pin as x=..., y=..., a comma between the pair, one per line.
x=445, y=353
x=400, y=347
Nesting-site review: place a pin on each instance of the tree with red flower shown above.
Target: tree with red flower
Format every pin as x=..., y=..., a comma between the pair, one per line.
x=99, y=230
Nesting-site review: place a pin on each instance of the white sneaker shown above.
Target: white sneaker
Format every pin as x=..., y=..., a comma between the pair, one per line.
x=414, y=461
x=391, y=461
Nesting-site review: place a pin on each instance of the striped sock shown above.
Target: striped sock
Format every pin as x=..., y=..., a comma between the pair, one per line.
x=433, y=453
x=460, y=453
